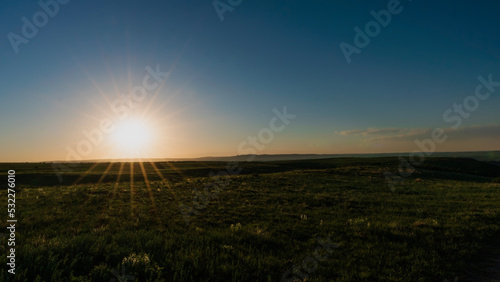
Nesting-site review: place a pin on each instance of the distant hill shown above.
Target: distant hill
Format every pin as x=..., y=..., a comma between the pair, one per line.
x=481, y=156
x=492, y=156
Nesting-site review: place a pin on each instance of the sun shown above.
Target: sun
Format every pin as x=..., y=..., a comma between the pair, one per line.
x=132, y=135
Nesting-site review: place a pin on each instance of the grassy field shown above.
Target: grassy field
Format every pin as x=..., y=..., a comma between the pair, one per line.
x=320, y=220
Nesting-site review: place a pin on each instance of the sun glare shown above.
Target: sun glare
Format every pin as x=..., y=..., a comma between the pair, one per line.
x=132, y=135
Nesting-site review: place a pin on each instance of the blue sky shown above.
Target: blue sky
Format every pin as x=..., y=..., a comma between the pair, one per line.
x=227, y=76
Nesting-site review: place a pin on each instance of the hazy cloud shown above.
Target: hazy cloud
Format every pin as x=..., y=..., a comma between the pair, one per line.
x=371, y=131
x=463, y=133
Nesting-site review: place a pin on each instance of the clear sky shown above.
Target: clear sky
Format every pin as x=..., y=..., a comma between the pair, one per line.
x=226, y=77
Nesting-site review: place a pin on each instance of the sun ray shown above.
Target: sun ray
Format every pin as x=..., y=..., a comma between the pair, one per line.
x=113, y=80
x=83, y=175
x=120, y=171
x=166, y=181
x=165, y=117
x=162, y=119
x=150, y=193
x=104, y=111
x=104, y=174
x=117, y=183
x=148, y=106
x=160, y=107
x=92, y=80
x=175, y=169
x=83, y=215
x=99, y=183
x=132, y=191
x=129, y=69
x=98, y=88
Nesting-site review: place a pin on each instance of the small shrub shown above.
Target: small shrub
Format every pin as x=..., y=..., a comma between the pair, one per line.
x=141, y=267
x=235, y=227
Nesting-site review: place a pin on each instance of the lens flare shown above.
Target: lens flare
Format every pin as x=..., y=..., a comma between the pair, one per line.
x=132, y=135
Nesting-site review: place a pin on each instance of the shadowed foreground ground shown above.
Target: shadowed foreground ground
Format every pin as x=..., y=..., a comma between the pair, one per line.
x=121, y=221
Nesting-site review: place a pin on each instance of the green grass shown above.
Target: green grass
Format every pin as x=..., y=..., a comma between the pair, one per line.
x=95, y=226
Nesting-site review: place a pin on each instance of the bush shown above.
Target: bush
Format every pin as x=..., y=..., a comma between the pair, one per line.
x=140, y=266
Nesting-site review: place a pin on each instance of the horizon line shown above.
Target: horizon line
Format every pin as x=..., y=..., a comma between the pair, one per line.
x=231, y=156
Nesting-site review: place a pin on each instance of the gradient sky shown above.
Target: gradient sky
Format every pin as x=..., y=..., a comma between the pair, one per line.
x=226, y=77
